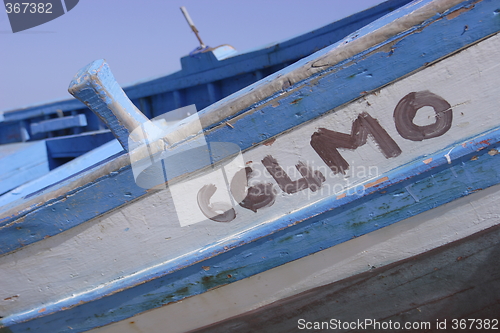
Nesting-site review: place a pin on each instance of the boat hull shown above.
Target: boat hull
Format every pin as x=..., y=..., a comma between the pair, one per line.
x=125, y=251
x=453, y=281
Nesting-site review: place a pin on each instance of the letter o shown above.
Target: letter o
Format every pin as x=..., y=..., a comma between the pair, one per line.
x=407, y=108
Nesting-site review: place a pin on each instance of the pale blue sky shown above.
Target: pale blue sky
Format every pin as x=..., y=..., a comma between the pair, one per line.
x=141, y=39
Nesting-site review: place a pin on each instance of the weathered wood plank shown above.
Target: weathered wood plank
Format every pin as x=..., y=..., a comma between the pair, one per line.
x=397, y=242
x=71, y=169
x=77, y=145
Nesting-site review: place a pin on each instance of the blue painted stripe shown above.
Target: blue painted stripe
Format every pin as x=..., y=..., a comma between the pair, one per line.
x=271, y=55
x=326, y=224
x=413, y=51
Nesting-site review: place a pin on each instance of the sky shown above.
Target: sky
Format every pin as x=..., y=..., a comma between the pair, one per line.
x=144, y=39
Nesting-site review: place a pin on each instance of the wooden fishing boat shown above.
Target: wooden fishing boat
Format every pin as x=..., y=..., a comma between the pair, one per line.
x=357, y=185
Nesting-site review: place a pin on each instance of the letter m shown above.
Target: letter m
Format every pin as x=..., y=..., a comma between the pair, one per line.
x=326, y=142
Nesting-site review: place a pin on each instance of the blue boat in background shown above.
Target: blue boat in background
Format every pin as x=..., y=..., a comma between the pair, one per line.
x=69, y=129
x=346, y=177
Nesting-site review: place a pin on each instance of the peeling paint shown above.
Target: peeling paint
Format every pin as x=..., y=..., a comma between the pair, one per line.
x=269, y=142
x=343, y=195
x=493, y=152
x=458, y=12
x=378, y=181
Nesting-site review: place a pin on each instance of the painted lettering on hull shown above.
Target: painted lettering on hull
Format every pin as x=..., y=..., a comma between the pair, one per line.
x=326, y=143
x=310, y=179
x=406, y=111
x=258, y=196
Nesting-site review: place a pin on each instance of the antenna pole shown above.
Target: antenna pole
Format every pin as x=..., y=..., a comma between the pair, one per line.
x=191, y=24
